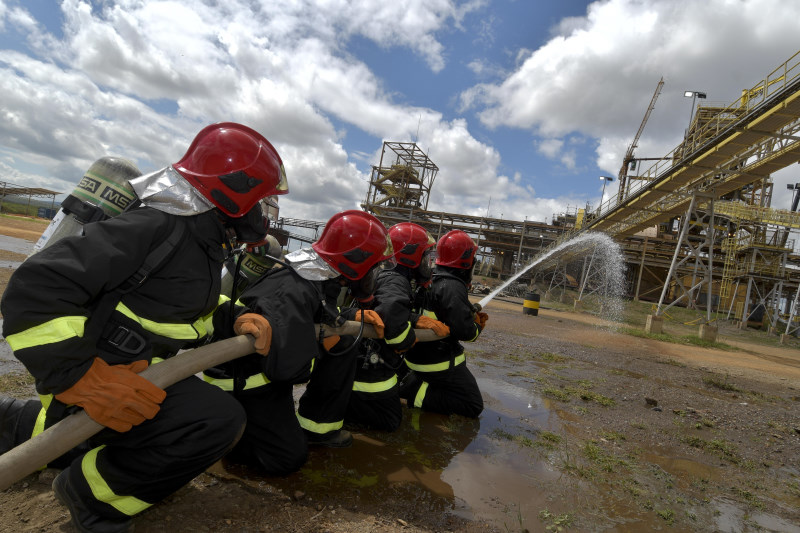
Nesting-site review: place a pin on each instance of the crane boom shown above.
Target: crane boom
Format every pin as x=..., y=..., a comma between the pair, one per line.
x=626, y=161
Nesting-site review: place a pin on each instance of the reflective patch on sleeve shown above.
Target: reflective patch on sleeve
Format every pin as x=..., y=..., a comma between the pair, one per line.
x=50, y=332
x=400, y=338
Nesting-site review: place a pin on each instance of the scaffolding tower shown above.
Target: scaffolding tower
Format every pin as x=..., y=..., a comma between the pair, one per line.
x=402, y=180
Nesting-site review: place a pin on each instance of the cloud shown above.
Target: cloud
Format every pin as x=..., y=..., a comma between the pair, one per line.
x=597, y=74
x=139, y=79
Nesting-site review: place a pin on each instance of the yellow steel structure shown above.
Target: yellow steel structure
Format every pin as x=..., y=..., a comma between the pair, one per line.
x=725, y=150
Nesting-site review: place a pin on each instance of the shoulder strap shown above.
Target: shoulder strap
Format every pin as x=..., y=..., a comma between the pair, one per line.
x=154, y=260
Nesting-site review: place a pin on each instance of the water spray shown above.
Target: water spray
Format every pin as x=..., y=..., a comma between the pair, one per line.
x=615, y=267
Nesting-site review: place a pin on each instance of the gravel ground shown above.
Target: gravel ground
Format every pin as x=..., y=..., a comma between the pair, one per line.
x=632, y=434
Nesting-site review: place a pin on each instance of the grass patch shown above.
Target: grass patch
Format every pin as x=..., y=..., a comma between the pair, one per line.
x=612, y=435
x=560, y=395
x=555, y=522
x=749, y=497
x=716, y=382
x=17, y=383
x=672, y=362
x=548, y=440
x=719, y=447
x=589, y=396
x=689, y=340
x=564, y=395
x=604, y=460
x=668, y=515
x=522, y=440
x=550, y=357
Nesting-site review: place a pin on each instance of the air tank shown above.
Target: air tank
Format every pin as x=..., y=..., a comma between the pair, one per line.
x=103, y=192
x=255, y=263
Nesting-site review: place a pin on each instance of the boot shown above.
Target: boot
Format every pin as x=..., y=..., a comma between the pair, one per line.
x=83, y=519
x=17, y=419
x=340, y=438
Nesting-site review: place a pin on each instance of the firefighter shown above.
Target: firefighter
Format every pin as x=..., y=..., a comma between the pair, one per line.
x=90, y=311
x=375, y=402
x=439, y=380
x=283, y=306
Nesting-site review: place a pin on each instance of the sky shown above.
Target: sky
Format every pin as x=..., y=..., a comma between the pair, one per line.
x=522, y=104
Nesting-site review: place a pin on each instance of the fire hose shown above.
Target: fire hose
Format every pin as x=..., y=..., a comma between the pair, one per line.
x=76, y=428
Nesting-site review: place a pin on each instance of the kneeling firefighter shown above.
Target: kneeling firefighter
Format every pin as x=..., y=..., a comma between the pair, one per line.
x=440, y=380
x=375, y=402
x=90, y=311
x=281, y=310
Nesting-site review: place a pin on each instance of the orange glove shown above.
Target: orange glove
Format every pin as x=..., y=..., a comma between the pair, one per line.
x=115, y=396
x=257, y=326
x=440, y=328
x=481, y=319
x=330, y=342
x=371, y=317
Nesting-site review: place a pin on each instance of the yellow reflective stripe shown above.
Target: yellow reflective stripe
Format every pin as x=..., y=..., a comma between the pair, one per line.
x=257, y=380
x=436, y=367
x=128, y=505
x=380, y=386
x=400, y=338
x=171, y=331
x=430, y=314
x=415, y=415
x=477, y=333
x=55, y=330
x=156, y=360
x=421, y=394
x=319, y=427
x=208, y=320
x=38, y=426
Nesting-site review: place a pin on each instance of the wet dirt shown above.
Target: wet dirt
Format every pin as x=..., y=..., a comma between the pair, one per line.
x=585, y=429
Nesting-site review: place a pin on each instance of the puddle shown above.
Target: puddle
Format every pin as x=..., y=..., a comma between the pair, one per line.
x=732, y=519
x=683, y=468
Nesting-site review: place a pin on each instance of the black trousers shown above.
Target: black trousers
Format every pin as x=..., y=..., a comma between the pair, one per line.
x=273, y=439
x=323, y=405
x=451, y=391
x=375, y=410
x=196, y=425
x=372, y=405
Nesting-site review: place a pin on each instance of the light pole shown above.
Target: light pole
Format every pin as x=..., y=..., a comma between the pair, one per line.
x=694, y=95
x=606, y=179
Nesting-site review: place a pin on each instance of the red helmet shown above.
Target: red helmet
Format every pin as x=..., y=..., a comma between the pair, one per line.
x=456, y=249
x=410, y=242
x=353, y=242
x=233, y=167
